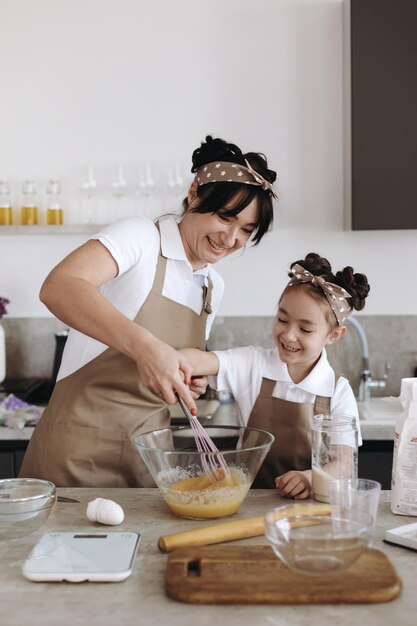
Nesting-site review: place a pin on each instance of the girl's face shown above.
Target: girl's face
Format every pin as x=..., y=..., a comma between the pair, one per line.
x=301, y=330
x=209, y=237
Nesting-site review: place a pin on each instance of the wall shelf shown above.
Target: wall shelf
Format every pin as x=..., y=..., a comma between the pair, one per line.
x=56, y=229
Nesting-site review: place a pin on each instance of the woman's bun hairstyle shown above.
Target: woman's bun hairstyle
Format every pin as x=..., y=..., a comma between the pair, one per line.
x=216, y=149
x=356, y=284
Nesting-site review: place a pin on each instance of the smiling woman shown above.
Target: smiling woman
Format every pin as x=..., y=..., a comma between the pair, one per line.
x=133, y=295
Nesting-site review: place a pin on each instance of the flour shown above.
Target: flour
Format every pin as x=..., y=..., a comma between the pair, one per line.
x=404, y=466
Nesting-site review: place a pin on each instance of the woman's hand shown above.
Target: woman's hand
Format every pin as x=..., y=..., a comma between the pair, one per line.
x=294, y=484
x=165, y=371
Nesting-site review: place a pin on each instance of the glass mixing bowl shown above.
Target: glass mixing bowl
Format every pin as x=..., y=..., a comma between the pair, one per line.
x=178, y=468
x=25, y=504
x=316, y=545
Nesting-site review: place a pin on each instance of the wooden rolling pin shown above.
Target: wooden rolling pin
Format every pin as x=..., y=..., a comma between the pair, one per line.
x=230, y=531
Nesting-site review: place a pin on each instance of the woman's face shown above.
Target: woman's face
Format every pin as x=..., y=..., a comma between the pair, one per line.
x=209, y=237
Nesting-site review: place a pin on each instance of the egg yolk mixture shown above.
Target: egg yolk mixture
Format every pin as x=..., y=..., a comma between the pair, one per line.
x=204, y=497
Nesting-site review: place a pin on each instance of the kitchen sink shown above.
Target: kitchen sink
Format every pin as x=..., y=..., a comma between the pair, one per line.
x=380, y=409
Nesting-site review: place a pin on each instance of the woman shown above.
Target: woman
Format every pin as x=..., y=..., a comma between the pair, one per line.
x=134, y=295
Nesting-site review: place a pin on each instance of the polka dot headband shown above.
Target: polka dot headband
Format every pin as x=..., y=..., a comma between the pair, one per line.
x=336, y=296
x=223, y=171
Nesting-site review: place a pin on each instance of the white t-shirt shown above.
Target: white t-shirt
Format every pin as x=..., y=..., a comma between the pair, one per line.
x=242, y=369
x=134, y=243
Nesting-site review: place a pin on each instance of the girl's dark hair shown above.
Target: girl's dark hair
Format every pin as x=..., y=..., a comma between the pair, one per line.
x=215, y=196
x=356, y=284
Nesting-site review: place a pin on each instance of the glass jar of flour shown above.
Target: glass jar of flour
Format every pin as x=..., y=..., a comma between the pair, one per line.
x=334, y=450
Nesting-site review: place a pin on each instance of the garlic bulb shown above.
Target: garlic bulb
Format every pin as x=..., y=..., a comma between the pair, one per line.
x=105, y=512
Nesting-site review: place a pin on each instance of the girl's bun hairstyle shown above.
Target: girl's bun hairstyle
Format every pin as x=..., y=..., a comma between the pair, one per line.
x=214, y=197
x=356, y=284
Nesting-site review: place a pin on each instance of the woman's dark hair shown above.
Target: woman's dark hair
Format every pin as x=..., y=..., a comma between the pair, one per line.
x=215, y=196
x=356, y=284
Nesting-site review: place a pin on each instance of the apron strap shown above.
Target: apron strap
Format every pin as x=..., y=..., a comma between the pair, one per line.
x=158, y=283
x=159, y=280
x=267, y=386
x=207, y=291
x=322, y=403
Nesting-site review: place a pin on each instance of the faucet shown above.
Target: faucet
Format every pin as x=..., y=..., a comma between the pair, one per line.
x=367, y=383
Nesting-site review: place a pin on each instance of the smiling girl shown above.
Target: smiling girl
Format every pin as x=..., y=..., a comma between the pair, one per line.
x=280, y=389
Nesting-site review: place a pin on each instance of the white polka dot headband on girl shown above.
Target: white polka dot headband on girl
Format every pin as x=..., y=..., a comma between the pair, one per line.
x=335, y=295
x=223, y=171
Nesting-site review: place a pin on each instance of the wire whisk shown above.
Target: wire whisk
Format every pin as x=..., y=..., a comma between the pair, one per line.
x=212, y=460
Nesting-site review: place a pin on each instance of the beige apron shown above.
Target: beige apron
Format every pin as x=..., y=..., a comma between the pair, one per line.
x=84, y=438
x=290, y=423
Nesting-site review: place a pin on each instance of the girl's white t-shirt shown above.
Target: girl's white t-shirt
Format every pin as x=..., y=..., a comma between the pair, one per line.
x=134, y=243
x=242, y=370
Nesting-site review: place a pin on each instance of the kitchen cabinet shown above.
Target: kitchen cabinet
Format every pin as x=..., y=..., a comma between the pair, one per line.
x=375, y=461
x=11, y=457
x=383, y=52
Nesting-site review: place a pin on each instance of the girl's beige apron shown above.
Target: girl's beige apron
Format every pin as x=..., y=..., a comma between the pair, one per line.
x=290, y=423
x=85, y=436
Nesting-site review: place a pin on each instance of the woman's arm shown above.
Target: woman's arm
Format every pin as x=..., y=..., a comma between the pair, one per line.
x=71, y=292
x=203, y=363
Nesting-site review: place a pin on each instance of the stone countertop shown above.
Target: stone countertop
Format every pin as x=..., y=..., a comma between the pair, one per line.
x=141, y=598
x=372, y=429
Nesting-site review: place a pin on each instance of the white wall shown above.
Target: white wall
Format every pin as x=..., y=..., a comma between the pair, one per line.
x=133, y=80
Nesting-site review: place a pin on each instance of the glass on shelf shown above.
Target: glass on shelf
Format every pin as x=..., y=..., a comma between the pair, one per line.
x=121, y=183
x=89, y=188
x=6, y=209
x=119, y=180
x=29, y=211
x=147, y=182
x=54, y=211
x=176, y=181
x=147, y=190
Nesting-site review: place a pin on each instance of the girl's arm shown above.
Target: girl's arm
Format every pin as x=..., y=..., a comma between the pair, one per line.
x=203, y=363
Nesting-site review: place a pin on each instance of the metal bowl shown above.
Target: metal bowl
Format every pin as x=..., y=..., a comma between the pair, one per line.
x=316, y=545
x=25, y=504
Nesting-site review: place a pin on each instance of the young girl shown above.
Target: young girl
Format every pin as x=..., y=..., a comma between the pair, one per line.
x=280, y=389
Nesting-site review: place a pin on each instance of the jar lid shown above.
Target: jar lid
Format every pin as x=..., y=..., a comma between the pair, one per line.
x=335, y=423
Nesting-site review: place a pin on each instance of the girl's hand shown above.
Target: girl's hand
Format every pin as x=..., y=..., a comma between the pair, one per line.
x=294, y=484
x=198, y=386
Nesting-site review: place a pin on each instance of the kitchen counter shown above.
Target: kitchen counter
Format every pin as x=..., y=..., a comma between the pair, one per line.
x=372, y=429
x=141, y=598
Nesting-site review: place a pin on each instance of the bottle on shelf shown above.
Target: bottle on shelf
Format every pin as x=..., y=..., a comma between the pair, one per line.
x=29, y=206
x=54, y=211
x=6, y=210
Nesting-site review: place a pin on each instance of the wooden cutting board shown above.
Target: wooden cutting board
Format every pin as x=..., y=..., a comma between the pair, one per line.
x=254, y=575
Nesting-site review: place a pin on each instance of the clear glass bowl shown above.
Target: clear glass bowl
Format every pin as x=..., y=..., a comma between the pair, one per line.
x=316, y=545
x=177, y=467
x=25, y=504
